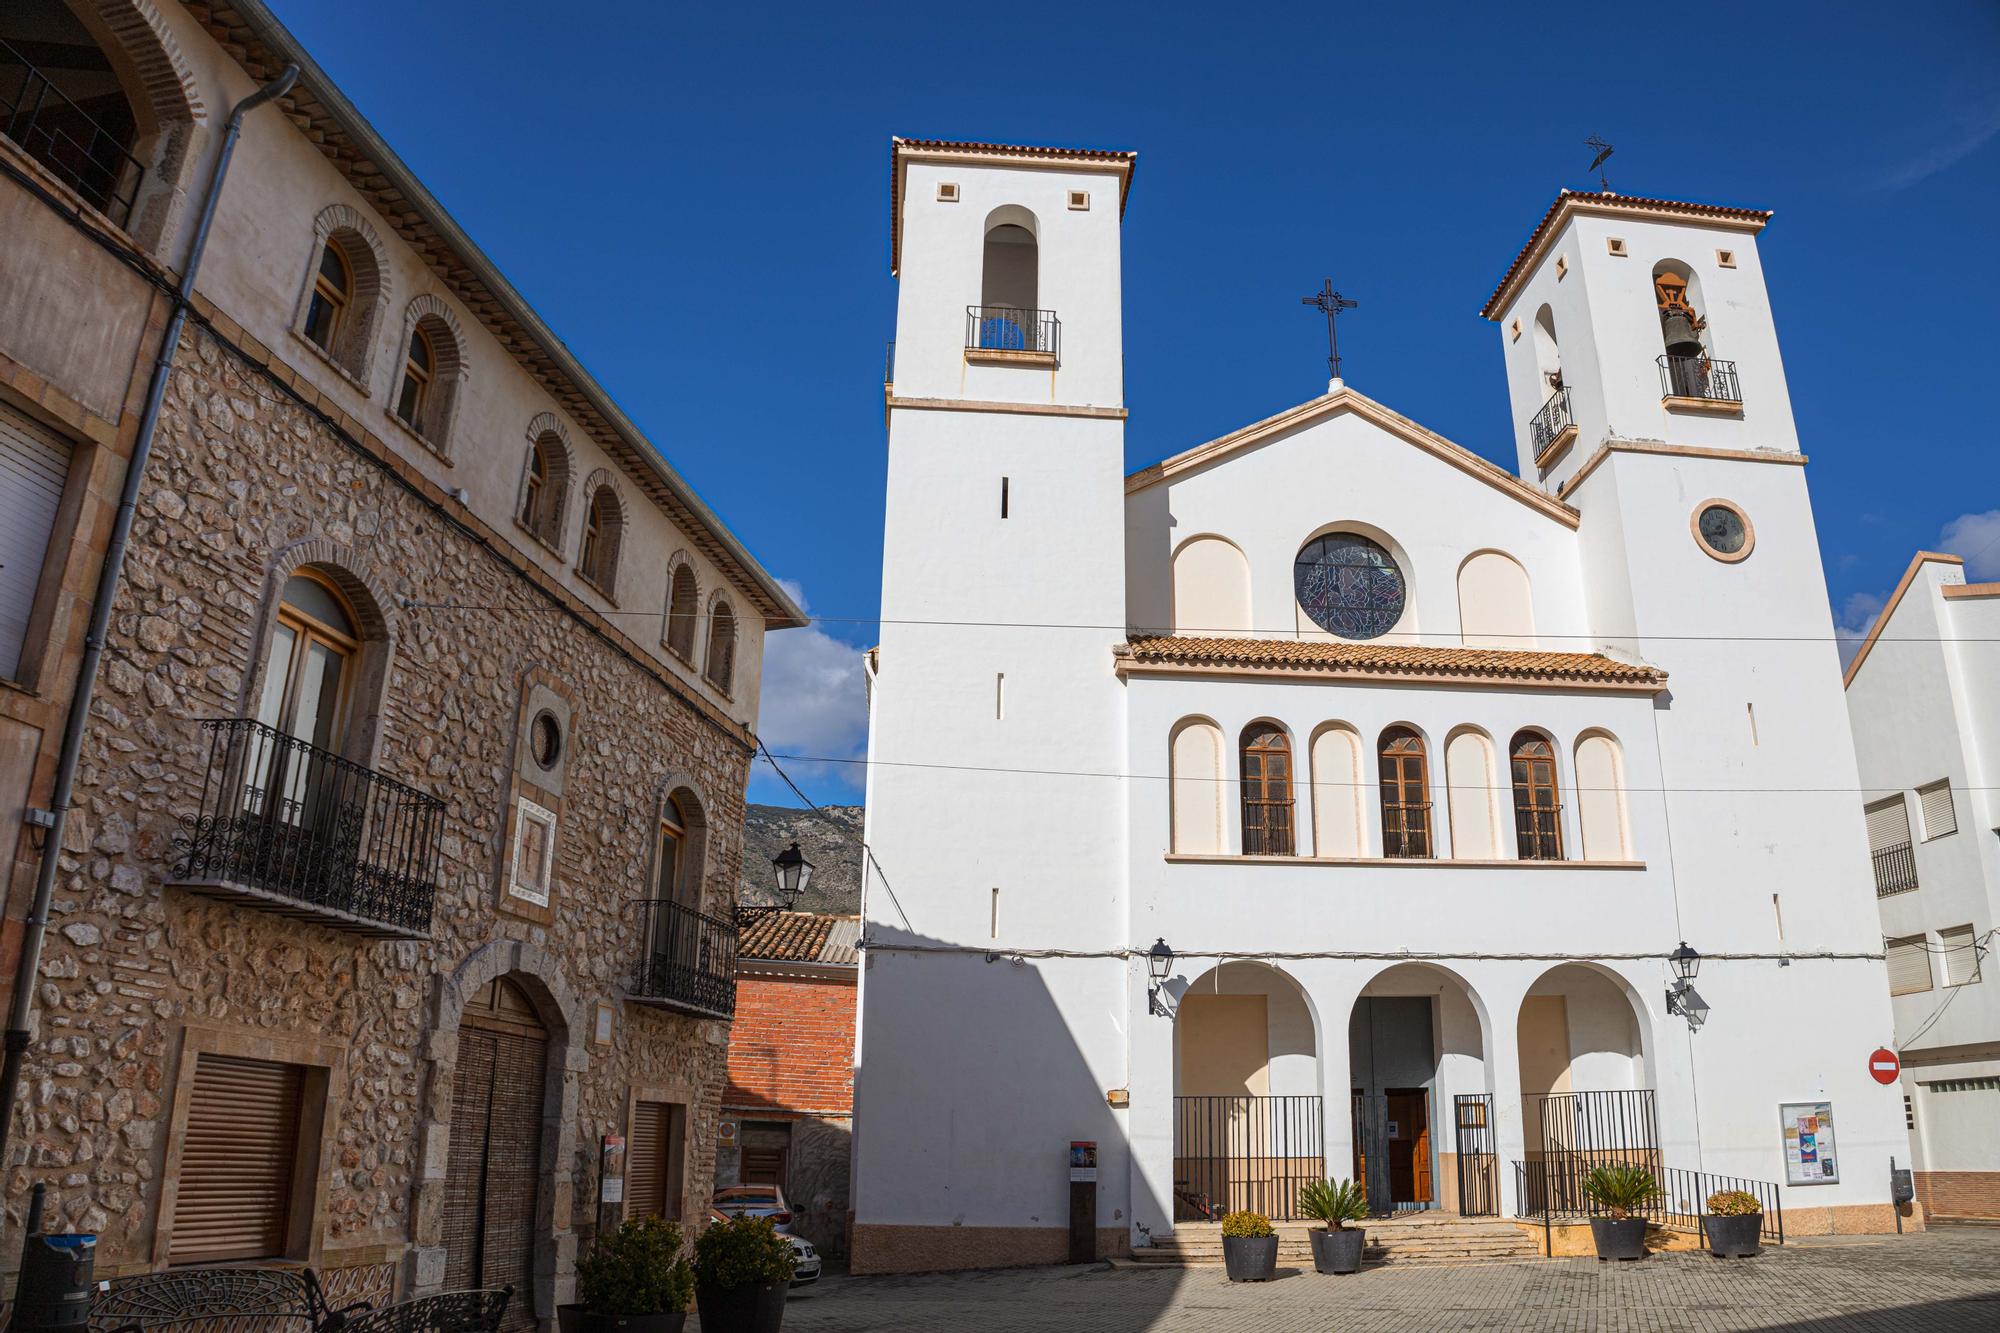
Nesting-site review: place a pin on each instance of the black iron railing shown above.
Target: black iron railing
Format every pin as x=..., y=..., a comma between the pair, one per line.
x=1895, y=870
x=1001, y=328
x=307, y=828
x=1573, y=1133
x=1542, y=1193
x=1699, y=377
x=57, y=133
x=1549, y=423
x=687, y=959
x=1478, y=1167
x=1233, y=1153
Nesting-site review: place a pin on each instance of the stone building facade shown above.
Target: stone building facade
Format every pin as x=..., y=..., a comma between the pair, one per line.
x=511, y=822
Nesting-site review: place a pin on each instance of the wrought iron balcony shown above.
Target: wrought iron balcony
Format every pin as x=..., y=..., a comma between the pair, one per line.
x=289, y=828
x=1551, y=425
x=687, y=959
x=57, y=133
x=1895, y=870
x=1001, y=328
x=1699, y=377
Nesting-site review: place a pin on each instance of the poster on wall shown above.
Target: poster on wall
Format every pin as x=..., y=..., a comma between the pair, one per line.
x=1809, y=1156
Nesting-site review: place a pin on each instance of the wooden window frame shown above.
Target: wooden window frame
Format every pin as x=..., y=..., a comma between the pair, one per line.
x=337, y=301
x=537, y=488
x=1264, y=756
x=722, y=635
x=308, y=629
x=423, y=377
x=1538, y=834
x=683, y=619
x=1407, y=832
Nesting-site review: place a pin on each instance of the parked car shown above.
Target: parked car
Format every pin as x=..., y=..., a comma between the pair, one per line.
x=807, y=1260
x=754, y=1201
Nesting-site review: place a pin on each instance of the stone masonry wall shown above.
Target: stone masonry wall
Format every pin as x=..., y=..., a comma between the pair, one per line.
x=242, y=474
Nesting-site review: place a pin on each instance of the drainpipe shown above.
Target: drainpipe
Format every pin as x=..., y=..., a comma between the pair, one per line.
x=21, y=1010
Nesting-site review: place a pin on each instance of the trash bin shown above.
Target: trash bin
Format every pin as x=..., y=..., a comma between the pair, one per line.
x=55, y=1288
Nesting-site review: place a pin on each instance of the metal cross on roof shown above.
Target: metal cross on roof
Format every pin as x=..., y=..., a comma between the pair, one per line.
x=1330, y=303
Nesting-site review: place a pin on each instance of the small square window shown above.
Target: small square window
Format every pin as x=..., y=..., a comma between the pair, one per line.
x=1562, y=267
x=1726, y=258
x=1616, y=245
x=947, y=192
x=1515, y=330
x=1079, y=200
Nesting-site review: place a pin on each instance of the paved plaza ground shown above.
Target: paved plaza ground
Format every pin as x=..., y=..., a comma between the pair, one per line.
x=1939, y=1282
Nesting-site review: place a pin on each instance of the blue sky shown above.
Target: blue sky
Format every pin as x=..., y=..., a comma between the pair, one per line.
x=696, y=198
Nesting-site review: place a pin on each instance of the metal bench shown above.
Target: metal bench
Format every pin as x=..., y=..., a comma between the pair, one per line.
x=472, y=1311
x=290, y=1300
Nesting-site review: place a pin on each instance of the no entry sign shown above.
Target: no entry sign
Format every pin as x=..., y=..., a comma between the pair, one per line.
x=1884, y=1065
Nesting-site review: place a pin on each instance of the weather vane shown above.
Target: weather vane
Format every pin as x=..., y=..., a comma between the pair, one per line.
x=1597, y=163
x=1330, y=303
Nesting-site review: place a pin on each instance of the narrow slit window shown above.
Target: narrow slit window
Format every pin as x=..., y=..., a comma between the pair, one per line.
x=999, y=695
x=1003, y=497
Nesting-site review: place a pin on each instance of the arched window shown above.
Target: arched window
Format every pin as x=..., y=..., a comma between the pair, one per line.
x=1009, y=285
x=1196, y=759
x=719, y=662
x=428, y=381
x=1406, y=795
x=1468, y=775
x=67, y=109
x=1337, y=791
x=1548, y=353
x=308, y=677
x=1211, y=588
x=1537, y=802
x=419, y=366
x=683, y=610
x=603, y=528
x=670, y=878
x=1495, y=607
x=332, y=293
x=545, y=481
x=1267, y=790
x=1686, y=368
x=1600, y=798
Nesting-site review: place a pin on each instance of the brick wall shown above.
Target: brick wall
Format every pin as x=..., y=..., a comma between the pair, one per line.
x=792, y=1046
x=1959, y=1193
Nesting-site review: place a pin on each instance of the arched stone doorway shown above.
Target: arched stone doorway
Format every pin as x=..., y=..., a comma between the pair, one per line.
x=1248, y=1108
x=1587, y=1097
x=495, y=1172
x=1421, y=1094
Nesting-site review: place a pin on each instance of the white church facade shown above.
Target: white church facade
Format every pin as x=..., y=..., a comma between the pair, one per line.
x=1420, y=770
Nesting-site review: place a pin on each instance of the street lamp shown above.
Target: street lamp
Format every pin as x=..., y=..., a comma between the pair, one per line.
x=793, y=873
x=1682, y=998
x=1159, y=962
x=1686, y=962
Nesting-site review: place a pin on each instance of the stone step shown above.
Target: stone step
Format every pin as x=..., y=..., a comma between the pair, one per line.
x=1415, y=1241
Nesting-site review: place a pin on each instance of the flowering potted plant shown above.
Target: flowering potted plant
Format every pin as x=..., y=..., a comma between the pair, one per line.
x=1618, y=1190
x=1336, y=1247
x=1249, y=1247
x=1733, y=1222
x=634, y=1280
x=742, y=1270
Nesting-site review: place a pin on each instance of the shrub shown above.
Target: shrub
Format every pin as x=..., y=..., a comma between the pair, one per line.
x=1733, y=1203
x=1333, y=1202
x=742, y=1252
x=635, y=1270
x=1620, y=1189
x=1246, y=1225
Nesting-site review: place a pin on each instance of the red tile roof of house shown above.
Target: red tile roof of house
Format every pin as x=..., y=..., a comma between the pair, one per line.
x=788, y=937
x=1388, y=660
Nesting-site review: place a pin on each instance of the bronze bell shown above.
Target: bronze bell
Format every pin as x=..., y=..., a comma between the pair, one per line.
x=1678, y=329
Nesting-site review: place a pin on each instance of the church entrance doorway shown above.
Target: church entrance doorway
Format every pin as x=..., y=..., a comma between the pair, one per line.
x=497, y=1097
x=1416, y=1056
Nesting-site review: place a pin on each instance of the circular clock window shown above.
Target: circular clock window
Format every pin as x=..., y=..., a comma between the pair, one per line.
x=1349, y=585
x=545, y=739
x=1723, y=530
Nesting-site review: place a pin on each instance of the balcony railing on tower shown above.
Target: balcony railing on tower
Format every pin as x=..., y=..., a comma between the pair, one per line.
x=1699, y=377
x=1551, y=423
x=1002, y=328
x=1895, y=870
x=57, y=133
x=287, y=827
x=687, y=959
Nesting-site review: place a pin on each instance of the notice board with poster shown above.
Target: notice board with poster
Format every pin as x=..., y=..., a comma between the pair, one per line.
x=1809, y=1152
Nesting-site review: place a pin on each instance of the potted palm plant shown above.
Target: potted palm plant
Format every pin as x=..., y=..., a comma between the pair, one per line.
x=1619, y=1190
x=634, y=1280
x=742, y=1270
x=1733, y=1223
x=1249, y=1247
x=1336, y=1246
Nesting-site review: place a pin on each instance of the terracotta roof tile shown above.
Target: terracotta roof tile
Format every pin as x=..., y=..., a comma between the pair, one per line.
x=790, y=937
x=1491, y=310
x=1388, y=659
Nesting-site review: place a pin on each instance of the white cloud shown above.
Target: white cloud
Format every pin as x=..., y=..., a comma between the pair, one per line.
x=814, y=702
x=1851, y=625
x=1977, y=538
x=1975, y=126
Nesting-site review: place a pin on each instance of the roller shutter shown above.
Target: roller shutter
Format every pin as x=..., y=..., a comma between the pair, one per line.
x=1888, y=824
x=1939, y=816
x=646, y=1161
x=1909, y=965
x=34, y=466
x=234, y=1199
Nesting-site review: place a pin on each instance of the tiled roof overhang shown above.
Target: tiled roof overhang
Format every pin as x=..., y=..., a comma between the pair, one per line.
x=1175, y=654
x=1570, y=202
x=971, y=150
x=257, y=41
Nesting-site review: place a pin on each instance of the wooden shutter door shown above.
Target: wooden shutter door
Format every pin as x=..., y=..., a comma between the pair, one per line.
x=234, y=1199
x=34, y=467
x=646, y=1161
x=465, y=1171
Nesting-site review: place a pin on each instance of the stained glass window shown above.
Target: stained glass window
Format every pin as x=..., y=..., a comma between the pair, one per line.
x=1349, y=585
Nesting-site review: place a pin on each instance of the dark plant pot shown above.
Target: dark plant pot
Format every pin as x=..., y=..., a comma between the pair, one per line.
x=759, y=1309
x=581, y=1319
x=1250, y=1258
x=1732, y=1237
x=1338, y=1251
x=1619, y=1237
